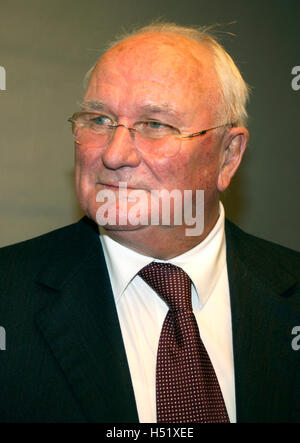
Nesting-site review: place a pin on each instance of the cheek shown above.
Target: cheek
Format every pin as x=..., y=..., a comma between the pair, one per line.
x=206, y=172
x=205, y=164
x=86, y=168
x=197, y=167
x=86, y=162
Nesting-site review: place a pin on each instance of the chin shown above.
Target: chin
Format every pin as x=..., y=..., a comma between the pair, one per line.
x=120, y=228
x=121, y=217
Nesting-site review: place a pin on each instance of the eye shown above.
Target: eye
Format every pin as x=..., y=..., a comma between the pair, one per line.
x=155, y=125
x=155, y=129
x=100, y=120
x=99, y=123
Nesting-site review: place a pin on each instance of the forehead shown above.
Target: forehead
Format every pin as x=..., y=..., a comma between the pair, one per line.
x=156, y=69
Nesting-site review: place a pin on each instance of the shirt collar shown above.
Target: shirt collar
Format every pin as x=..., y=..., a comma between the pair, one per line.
x=203, y=263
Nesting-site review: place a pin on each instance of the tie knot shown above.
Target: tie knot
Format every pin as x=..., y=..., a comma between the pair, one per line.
x=171, y=283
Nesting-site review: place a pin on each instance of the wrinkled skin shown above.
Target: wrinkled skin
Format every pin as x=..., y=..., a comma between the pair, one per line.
x=178, y=75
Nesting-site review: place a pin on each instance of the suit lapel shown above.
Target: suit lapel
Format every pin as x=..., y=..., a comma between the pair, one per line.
x=81, y=327
x=265, y=364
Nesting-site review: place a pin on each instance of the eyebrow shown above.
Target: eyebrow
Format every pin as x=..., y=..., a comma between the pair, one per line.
x=144, y=110
x=163, y=108
x=94, y=105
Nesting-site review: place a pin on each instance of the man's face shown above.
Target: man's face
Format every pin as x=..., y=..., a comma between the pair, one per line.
x=145, y=78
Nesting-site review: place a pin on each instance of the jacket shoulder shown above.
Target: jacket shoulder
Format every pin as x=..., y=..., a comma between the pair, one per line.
x=34, y=252
x=35, y=246
x=262, y=253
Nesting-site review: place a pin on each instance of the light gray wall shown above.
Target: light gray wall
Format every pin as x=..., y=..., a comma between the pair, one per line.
x=46, y=48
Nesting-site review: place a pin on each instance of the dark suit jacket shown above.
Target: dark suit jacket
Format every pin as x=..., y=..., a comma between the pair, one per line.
x=65, y=360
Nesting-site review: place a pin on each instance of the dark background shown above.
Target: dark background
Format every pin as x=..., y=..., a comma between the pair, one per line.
x=46, y=48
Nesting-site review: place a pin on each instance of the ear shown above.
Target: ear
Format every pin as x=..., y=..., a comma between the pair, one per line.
x=235, y=147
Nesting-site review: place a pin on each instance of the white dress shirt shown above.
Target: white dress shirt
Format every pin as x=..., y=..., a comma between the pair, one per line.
x=141, y=313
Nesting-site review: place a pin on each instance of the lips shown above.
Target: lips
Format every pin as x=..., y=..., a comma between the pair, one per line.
x=108, y=185
x=117, y=185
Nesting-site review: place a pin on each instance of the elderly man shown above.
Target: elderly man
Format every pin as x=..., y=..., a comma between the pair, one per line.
x=146, y=322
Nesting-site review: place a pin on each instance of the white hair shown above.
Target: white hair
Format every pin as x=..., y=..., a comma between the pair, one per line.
x=234, y=89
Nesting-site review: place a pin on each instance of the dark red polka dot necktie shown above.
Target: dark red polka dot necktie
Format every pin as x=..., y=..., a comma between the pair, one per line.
x=187, y=389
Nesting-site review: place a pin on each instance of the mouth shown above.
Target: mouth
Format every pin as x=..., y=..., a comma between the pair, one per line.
x=107, y=185
x=117, y=186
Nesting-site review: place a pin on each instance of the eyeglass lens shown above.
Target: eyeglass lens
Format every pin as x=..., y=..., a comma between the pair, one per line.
x=165, y=147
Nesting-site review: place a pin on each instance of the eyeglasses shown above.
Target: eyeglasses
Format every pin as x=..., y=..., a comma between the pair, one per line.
x=151, y=137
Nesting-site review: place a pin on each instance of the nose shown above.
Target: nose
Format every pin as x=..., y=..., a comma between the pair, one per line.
x=121, y=150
